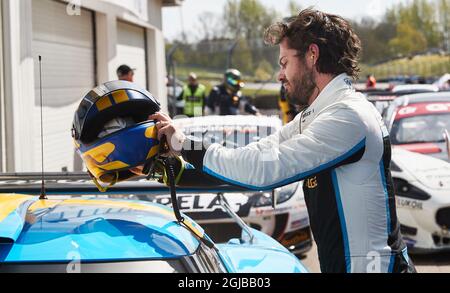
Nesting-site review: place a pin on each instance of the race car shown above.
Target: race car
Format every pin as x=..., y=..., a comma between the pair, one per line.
x=422, y=189
x=420, y=123
x=74, y=231
x=421, y=182
x=404, y=89
x=286, y=220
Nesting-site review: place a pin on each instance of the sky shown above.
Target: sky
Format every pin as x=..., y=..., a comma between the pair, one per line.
x=174, y=18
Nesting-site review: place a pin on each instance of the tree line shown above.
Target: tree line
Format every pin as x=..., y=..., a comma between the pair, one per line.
x=235, y=36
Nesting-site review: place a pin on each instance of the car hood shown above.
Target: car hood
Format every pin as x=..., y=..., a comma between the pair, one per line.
x=33, y=230
x=431, y=172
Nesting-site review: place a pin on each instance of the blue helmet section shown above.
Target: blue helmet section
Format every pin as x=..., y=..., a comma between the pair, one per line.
x=105, y=98
x=131, y=145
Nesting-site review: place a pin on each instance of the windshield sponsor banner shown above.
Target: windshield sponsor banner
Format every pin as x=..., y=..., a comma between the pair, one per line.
x=422, y=109
x=196, y=203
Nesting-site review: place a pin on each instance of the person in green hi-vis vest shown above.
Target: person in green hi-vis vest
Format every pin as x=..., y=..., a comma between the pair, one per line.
x=193, y=95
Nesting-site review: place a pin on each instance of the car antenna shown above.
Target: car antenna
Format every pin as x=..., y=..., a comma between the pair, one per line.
x=42, y=196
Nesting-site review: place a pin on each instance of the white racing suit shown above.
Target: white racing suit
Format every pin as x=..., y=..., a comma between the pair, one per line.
x=340, y=147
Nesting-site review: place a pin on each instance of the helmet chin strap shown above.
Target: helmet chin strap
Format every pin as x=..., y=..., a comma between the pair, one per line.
x=102, y=188
x=169, y=168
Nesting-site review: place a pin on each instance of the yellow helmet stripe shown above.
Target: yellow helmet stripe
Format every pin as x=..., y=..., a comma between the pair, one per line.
x=120, y=96
x=153, y=151
x=103, y=103
x=100, y=153
x=116, y=165
x=151, y=132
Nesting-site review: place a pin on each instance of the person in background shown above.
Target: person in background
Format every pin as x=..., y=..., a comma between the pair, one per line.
x=371, y=82
x=288, y=109
x=194, y=96
x=227, y=96
x=125, y=72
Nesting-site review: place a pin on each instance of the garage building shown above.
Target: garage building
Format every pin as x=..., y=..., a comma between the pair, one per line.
x=81, y=43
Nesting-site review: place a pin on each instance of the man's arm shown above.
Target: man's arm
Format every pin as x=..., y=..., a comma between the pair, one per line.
x=329, y=141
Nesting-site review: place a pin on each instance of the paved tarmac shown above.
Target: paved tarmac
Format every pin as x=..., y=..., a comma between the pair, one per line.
x=425, y=263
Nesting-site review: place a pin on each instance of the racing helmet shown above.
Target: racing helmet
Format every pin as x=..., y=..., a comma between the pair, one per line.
x=233, y=80
x=112, y=132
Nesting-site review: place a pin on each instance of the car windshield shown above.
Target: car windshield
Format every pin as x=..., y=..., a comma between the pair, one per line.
x=422, y=128
x=232, y=137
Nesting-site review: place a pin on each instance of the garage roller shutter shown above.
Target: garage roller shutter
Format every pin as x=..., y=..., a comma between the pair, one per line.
x=66, y=44
x=131, y=50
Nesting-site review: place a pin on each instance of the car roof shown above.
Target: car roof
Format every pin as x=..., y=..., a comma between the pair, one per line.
x=423, y=98
x=415, y=87
x=93, y=229
x=230, y=121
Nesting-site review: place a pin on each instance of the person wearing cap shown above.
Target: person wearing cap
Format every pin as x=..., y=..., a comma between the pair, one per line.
x=125, y=72
x=227, y=99
x=371, y=82
x=194, y=96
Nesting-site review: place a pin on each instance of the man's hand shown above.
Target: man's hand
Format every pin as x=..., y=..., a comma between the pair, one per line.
x=174, y=136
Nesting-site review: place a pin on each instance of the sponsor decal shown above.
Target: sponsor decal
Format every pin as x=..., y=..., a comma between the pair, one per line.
x=422, y=109
x=311, y=182
x=406, y=111
x=204, y=202
x=410, y=204
x=300, y=223
x=308, y=113
x=348, y=82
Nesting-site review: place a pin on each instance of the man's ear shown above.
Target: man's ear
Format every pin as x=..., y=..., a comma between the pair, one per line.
x=314, y=53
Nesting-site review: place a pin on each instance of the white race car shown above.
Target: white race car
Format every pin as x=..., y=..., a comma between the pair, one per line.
x=422, y=189
x=288, y=222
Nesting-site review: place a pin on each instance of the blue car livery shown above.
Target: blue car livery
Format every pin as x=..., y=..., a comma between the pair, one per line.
x=115, y=235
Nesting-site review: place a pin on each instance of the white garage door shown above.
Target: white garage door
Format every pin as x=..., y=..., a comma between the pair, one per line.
x=66, y=44
x=131, y=50
x=2, y=103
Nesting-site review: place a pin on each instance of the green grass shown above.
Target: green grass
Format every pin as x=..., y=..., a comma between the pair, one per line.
x=203, y=74
x=427, y=65
x=206, y=74
x=246, y=92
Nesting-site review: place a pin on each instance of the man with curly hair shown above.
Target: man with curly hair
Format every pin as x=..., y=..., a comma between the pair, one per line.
x=338, y=146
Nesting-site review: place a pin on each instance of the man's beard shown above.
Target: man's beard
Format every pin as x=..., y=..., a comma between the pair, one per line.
x=302, y=88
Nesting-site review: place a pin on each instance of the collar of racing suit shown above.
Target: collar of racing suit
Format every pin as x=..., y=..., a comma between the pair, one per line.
x=333, y=92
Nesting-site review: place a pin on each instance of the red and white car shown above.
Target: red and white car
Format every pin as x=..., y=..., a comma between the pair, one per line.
x=420, y=123
x=419, y=126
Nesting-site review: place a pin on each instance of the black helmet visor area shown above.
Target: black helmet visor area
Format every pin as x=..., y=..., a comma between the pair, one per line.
x=87, y=127
x=233, y=74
